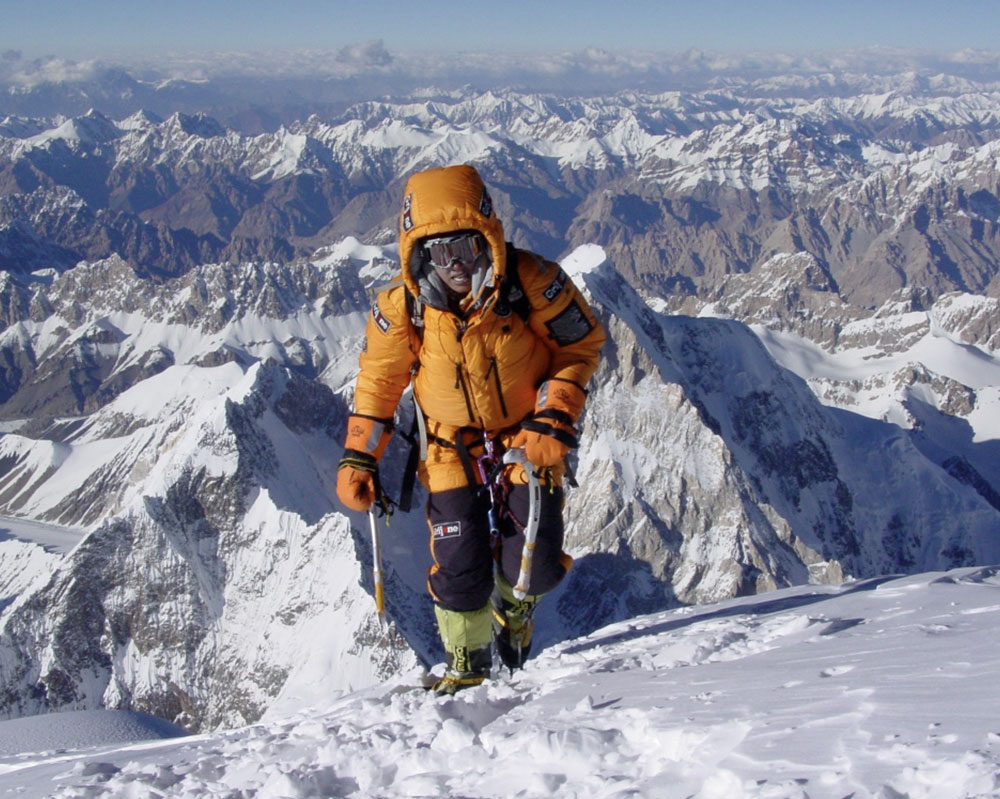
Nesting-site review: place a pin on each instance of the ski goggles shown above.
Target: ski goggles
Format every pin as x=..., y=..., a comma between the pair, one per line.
x=459, y=250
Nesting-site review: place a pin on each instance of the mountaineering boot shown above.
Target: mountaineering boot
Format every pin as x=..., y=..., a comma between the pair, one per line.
x=466, y=669
x=512, y=624
x=466, y=639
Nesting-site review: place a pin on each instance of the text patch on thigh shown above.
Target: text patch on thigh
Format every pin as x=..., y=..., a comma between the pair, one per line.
x=447, y=530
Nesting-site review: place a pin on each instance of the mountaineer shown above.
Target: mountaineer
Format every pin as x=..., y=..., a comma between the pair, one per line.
x=499, y=345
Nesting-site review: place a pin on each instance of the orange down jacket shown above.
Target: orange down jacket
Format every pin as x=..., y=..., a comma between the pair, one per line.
x=481, y=367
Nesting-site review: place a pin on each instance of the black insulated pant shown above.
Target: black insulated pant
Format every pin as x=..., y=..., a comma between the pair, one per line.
x=462, y=575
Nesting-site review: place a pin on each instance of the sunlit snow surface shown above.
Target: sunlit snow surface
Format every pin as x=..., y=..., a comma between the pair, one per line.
x=48, y=536
x=883, y=688
x=81, y=728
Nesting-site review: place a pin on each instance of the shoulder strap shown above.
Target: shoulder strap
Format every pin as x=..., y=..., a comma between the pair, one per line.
x=416, y=312
x=513, y=290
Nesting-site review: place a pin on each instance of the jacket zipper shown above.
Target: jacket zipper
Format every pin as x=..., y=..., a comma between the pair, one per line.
x=460, y=383
x=461, y=326
x=496, y=378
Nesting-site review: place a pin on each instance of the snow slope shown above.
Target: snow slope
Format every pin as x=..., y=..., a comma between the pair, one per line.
x=883, y=688
x=29, y=553
x=50, y=537
x=81, y=728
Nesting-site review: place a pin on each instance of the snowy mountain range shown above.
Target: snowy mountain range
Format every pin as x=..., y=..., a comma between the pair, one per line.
x=199, y=470
x=683, y=190
x=800, y=385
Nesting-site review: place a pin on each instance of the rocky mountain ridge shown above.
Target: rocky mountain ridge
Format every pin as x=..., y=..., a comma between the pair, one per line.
x=683, y=190
x=219, y=580
x=801, y=381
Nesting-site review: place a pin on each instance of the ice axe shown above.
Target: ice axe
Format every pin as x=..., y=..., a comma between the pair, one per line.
x=377, y=572
x=534, y=516
x=383, y=503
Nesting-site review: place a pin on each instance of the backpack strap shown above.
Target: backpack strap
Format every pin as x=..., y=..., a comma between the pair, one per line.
x=416, y=313
x=513, y=291
x=417, y=439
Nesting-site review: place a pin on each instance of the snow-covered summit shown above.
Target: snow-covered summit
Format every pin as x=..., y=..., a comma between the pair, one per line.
x=877, y=689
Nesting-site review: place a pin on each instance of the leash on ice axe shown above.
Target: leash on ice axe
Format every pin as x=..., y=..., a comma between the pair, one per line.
x=491, y=472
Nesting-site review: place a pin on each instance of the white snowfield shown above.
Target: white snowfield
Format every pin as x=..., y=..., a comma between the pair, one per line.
x=50, y=537
x=885, y=688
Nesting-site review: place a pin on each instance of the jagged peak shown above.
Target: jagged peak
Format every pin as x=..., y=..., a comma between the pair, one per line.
x=142, y=118
x=200, y=125
x=89, y=129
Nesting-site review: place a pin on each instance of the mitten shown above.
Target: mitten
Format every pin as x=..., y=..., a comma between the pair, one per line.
x=541, y=446
x=549, y=435
x=357, y=480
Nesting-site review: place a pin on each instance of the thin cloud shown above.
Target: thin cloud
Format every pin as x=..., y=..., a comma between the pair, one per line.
x=48, y=70
x=370, y=54
x=360, y=59
x=369, y=69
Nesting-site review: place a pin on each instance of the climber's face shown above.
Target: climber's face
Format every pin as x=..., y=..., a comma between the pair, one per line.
x=456, y=259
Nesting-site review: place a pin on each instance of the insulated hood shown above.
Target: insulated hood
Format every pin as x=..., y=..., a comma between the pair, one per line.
x=441, y=201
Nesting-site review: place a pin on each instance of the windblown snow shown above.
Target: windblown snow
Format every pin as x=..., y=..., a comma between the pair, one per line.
x=883, y=688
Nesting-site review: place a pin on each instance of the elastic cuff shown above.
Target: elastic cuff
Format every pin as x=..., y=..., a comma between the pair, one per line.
x=361, y=461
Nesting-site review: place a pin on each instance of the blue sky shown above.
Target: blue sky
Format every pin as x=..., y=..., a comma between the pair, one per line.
x=107, y=28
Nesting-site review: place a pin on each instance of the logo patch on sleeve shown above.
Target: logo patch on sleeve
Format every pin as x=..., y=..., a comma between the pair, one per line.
x=556, y=286
x=486, y=204
x=447, y=530
x=380, y=318
x=408, y=212
x=570, y=326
